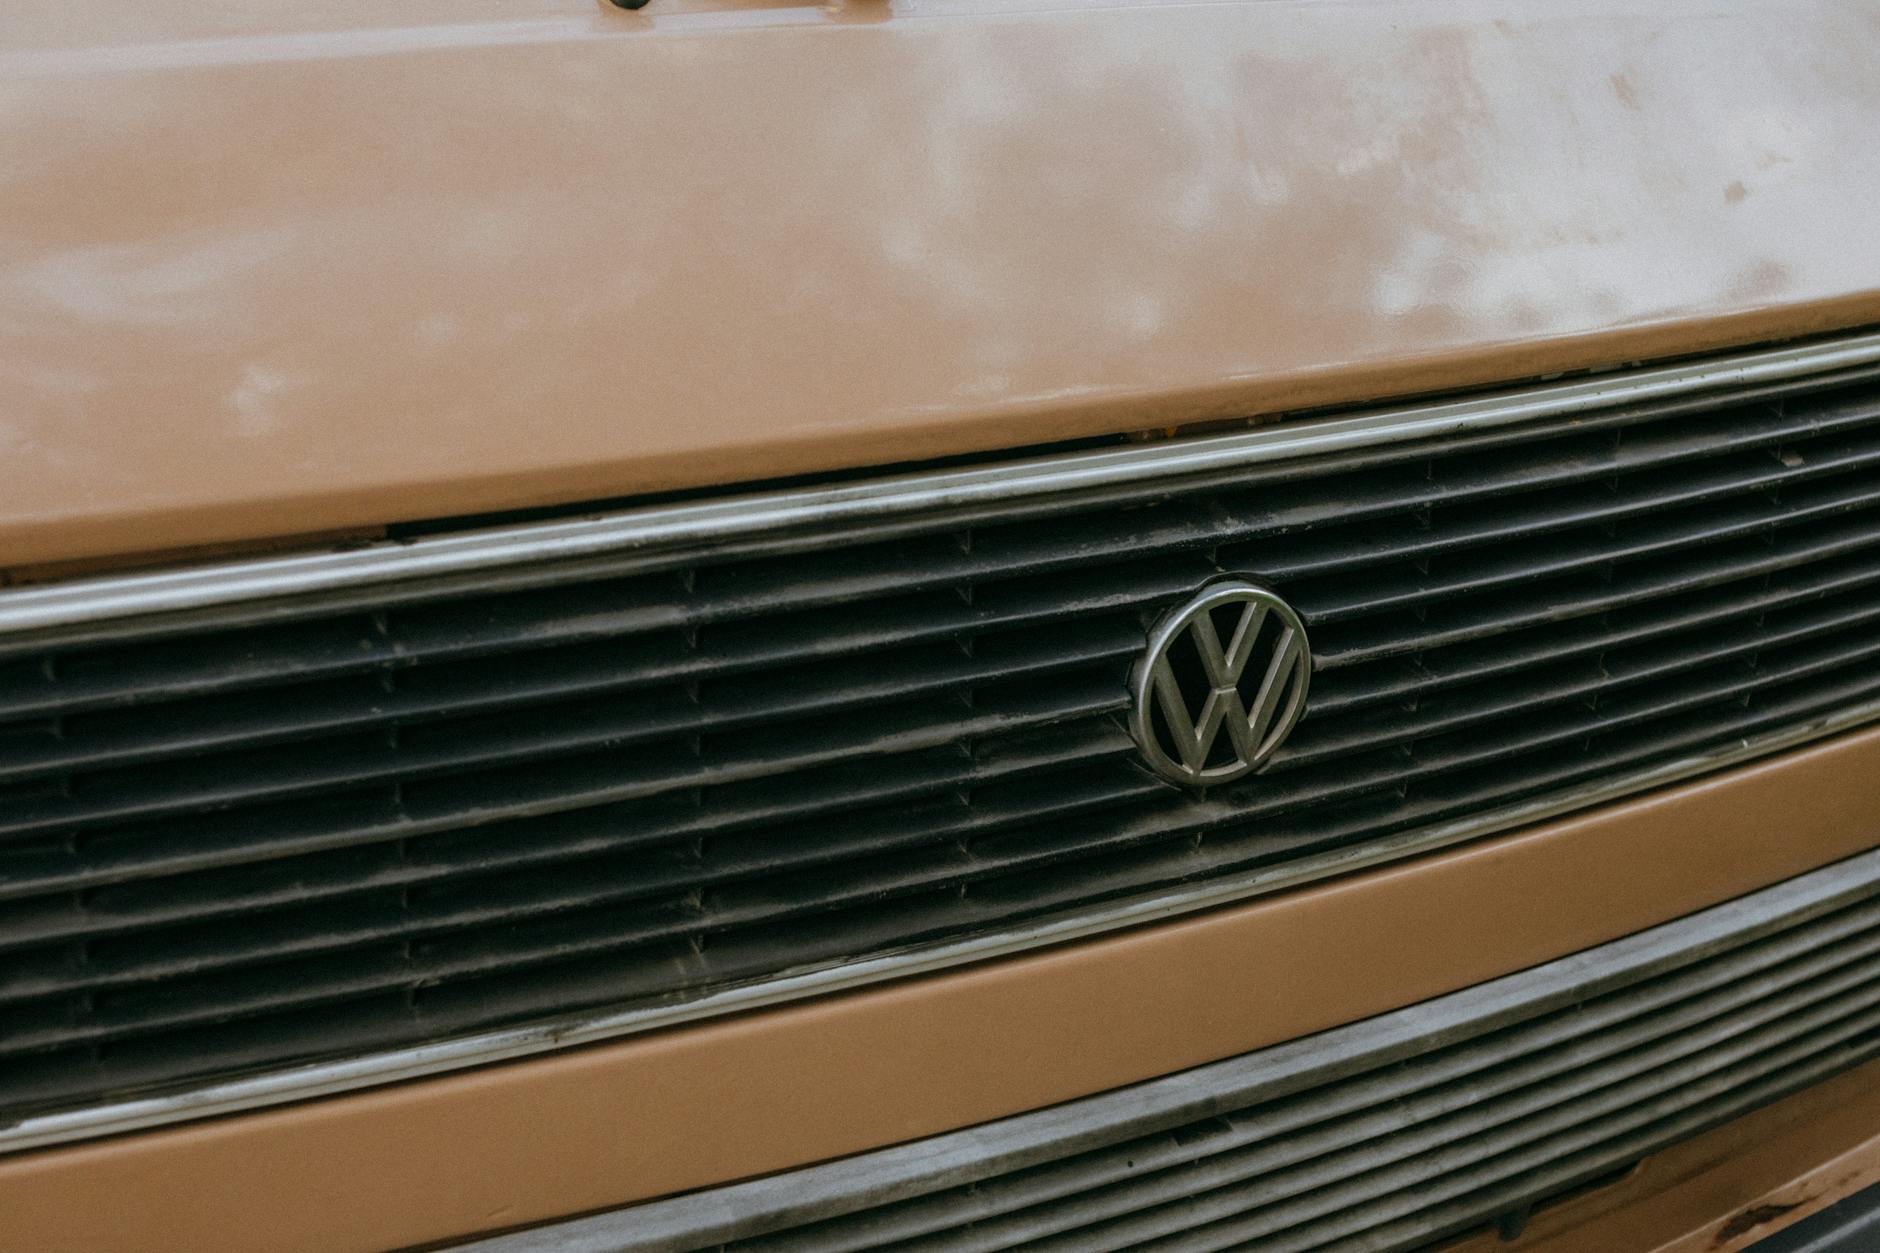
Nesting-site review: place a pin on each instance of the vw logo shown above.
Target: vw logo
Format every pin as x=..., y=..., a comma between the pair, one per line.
x=1221, y=684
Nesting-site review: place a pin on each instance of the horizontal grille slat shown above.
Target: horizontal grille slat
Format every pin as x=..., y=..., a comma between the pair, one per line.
x=943, y=865
x=512, y=895
x=366, y=707
x=628, y=660
x=1339, y=601
x=153, y=857
x=1313, y=1163
x=1350, y=1111
x=1607, y=676
x=1387, y=1135
x=1230, y=842
x=901, y=729
x=264, y=834
x=660, y=712
x=1719, y=607
x=1458, y=1168
x=1533, y=517
x=1595, y=593
x=1180, y=525
x=1581, y=1167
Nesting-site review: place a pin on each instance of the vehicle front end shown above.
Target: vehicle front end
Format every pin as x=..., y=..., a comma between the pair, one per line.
x=940, y=624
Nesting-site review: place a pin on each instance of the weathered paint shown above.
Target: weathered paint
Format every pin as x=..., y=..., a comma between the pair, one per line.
x=275, y=269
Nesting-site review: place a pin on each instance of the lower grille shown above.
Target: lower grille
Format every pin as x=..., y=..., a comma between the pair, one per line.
x=592, y=793
x=1384, y=1135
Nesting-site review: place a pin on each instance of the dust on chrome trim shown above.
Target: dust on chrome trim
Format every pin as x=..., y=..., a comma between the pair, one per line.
x=743, y=518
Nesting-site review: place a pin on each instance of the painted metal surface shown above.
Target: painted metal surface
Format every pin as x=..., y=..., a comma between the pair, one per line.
x=275, y=269
x=732, y=519
x=83, y=601
x=1542, y=1028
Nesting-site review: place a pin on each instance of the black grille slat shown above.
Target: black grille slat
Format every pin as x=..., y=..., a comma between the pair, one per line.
x=944, y=865
x=1012, y=854
x=1395, y=679
x=634, y=659
x=1131, y=852
x=1596, y=593
x=1319, y=543
x=613, y=779
x=1508, y=566
x=511, y=892
x=1443, y=709
x=1544, y=514
x=136, y=798
x=658, y=712
x=153, y=857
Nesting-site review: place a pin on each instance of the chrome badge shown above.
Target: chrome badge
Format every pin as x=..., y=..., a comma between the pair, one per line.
x=1206, y=713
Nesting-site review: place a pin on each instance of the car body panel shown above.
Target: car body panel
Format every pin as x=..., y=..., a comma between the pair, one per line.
x=273, y=270
x=285, y=276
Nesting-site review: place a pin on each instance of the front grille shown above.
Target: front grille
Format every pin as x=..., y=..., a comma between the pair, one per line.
x=279, y=830
x=1388, y=1134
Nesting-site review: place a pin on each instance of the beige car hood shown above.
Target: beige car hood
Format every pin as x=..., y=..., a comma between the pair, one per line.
x=272, y=269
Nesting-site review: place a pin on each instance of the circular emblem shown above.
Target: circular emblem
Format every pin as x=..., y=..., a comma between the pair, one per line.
x=1221, y=684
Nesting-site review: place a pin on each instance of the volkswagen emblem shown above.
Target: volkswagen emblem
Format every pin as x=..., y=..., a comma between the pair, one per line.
x=1221, y=684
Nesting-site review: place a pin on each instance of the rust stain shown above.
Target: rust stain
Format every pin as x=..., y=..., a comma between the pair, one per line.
x=1622, y=87
x=1750, y=1219
x=1735, y=192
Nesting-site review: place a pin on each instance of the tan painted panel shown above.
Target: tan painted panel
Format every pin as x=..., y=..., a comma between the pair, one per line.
x=609, y=1124
x=271, y=269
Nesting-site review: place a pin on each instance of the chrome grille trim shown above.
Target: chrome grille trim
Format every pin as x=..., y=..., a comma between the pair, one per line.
x=739, y=519
x=395, y=1066
x=421, y=567
x=1385, y=1134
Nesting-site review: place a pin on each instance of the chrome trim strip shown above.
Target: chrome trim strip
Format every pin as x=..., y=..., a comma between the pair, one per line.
x=332, y=1078
x=733, y=518
x=729, y=518
x=1368, y=1052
